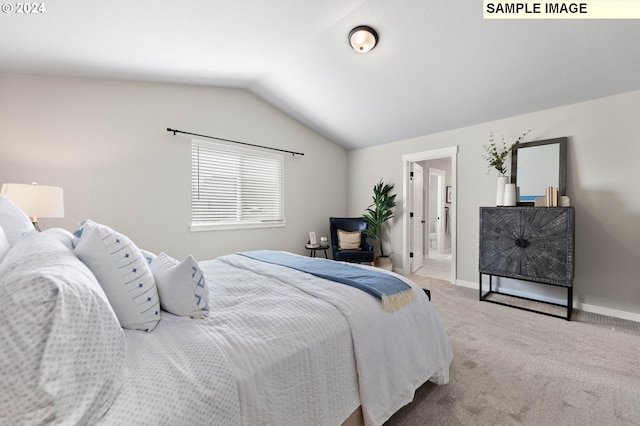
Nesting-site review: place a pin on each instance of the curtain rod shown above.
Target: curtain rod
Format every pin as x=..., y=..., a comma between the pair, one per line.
x=229, y=140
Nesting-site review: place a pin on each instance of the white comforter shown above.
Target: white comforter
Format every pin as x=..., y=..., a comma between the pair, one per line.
x=395, y=352
x=280, y=347
x=291, y=353
x=175, y=376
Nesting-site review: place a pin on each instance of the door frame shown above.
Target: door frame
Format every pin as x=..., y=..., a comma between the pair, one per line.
x=412, y=220
x=407, y=159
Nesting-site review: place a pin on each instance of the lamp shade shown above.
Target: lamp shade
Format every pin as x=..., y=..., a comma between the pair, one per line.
x=36, y=200
x=363, y=39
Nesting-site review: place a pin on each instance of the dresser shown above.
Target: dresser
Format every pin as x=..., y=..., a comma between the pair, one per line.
x=534, y=244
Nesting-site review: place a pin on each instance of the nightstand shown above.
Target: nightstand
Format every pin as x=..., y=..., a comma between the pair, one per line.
x=315, y=248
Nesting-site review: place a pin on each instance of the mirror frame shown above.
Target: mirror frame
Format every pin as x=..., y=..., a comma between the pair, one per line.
x=562, y=165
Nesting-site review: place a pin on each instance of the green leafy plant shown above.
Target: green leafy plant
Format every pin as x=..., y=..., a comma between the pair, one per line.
x=496, y=156
x=379, y=211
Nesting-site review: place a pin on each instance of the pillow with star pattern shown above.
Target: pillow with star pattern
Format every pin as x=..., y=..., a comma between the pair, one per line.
x=122, y=272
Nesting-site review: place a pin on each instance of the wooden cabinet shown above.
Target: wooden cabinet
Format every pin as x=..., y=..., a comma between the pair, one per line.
x=534, y=244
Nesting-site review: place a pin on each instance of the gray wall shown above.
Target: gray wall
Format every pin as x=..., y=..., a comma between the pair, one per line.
x=603, y=179
x=105, y=142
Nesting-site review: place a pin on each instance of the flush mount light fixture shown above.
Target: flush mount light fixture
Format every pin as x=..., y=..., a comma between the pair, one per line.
x=363, y=39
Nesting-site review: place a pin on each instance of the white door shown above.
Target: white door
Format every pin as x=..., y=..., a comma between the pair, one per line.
x=417, y=221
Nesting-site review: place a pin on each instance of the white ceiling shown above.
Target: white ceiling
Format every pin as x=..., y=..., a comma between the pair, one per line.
x=439, y=65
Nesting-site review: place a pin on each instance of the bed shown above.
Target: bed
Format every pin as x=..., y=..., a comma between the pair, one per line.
x=265, y=344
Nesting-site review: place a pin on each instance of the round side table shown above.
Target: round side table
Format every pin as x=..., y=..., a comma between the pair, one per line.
x=315, y=248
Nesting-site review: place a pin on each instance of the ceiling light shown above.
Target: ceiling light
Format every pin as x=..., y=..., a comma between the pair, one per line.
x=363, y=39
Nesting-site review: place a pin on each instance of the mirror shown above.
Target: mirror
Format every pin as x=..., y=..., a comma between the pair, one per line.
x=538, y=165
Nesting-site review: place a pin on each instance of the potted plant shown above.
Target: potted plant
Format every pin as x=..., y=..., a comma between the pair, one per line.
x=377, y=214
x=497, y=156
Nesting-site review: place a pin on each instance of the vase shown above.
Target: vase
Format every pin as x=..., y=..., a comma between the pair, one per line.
x=502, y=182
x=509, y=194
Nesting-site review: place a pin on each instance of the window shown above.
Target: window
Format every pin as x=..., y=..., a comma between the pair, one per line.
x=233, y=187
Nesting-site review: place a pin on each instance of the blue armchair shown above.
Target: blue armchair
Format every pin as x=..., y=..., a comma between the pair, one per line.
x=364, y=254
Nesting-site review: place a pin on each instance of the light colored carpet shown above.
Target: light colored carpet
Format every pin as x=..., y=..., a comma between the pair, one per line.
x=512, y=367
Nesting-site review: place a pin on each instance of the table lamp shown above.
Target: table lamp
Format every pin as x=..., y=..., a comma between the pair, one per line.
x=35, y=200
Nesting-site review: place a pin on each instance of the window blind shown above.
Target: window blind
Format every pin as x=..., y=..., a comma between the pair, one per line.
x=233, y=185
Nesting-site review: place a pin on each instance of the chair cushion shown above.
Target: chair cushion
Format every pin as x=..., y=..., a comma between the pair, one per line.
x=349, y=240
x=354, y=256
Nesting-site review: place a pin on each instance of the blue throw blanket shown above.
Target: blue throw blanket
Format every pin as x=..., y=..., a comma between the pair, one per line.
x=392, y=291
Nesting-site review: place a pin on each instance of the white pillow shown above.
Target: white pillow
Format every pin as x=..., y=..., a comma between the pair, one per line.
x=61, y=347
x=4, y=243
x=148, y=256
x=62, y=235
x=13, y=220
x=181, y=285
x=122, y=272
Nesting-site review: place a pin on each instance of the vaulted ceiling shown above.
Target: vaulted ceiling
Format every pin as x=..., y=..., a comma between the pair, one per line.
x=439, y=65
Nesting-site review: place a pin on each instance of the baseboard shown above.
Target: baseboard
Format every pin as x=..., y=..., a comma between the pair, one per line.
x=594, y=309
x=535, y=296
x=512, y=292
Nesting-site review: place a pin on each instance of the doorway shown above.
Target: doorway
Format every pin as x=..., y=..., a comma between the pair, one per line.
x=437, y=244
x=436, y=204
x=437, y=255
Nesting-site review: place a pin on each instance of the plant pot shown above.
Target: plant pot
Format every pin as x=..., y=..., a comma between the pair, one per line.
x=384, y=262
